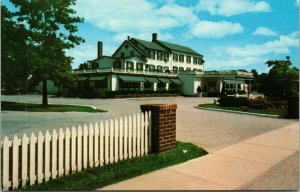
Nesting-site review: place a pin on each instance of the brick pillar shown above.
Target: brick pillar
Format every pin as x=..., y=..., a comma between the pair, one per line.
x=163, y=131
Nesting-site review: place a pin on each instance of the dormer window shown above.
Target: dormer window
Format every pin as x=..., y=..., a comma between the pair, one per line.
x=131, y=53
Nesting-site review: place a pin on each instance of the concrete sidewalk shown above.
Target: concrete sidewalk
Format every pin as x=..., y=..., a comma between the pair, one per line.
x=228, y=168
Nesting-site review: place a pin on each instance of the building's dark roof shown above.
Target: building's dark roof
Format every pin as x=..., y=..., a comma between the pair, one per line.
x=150, y=45
x=128, y=57
x=177, y=47
x=97, y=59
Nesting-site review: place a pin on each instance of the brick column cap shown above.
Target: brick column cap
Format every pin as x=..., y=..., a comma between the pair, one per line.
x=158, y=107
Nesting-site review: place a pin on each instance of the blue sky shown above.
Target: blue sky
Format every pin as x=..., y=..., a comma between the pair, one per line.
x=231, y=34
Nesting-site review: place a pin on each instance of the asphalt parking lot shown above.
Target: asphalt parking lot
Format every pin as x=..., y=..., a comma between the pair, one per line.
x=208, y=129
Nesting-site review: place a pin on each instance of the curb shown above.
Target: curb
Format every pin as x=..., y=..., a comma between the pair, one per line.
x=239, y=112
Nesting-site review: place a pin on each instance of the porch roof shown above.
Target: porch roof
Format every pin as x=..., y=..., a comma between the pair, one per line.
x=152, y=80
x=96, y=78
x=232, y=81
x=176, y=81
x=132, y=78
x=82, y=78
x=164, y=80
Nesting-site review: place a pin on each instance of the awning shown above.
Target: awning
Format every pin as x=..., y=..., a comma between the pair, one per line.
x=152, y=80
x=96, y=78
x=234, y=82
x=164, y=80
x=132, y=78
x=82, y=78
x=176, y=81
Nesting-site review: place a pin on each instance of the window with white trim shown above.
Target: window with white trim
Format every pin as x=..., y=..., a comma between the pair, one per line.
x=159, y=55
x=188, y=59
x=195, y=60
x=175, y=57
x=181, y=58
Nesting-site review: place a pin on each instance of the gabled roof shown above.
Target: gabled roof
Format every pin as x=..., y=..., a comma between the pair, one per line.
x=150, y=45
x=126, y=41
x=177, y=47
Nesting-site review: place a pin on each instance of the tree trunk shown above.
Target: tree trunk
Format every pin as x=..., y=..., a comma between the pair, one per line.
x=45, y=93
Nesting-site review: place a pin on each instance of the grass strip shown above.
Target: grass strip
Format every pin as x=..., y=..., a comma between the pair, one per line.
x=96, y=178
x=31, y=107
x=280, y=112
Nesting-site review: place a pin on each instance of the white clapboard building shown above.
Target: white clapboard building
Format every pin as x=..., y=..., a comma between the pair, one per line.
x=139, y=65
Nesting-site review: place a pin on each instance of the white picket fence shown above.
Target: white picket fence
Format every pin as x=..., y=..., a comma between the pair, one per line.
x=38, y=159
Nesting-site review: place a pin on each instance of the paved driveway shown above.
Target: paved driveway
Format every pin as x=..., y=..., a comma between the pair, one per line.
x=208, y=129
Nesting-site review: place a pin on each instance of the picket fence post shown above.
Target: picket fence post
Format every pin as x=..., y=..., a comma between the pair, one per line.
x=116, y=140
x=47, y=155
x=67, y=151
x=79, y=149
x=101, y=144
x=121, y=140
x=73, y=149
x=40, y=175
x=25, y=142
x=96, y=145
x=125, y=138
x=91, y=143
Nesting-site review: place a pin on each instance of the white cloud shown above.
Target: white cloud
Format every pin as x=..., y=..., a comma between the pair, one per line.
x=251, y=55
x=297, y=2
x=232, y=7
x=82, y=53
x=126, y=17
x=208, y=29
x=264, y=31
x=278, y=46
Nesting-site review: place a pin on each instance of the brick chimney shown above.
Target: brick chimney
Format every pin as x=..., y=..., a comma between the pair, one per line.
x=100, y=49
x=154, y=36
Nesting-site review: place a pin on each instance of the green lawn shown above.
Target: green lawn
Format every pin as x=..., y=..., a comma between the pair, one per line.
x=281, y=112
x=99, y=177
x=14, y=106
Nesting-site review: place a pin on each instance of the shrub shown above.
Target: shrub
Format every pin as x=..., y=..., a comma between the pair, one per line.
x=87, y=92
x=230, y=101
x=261, y=103
x=73, y=92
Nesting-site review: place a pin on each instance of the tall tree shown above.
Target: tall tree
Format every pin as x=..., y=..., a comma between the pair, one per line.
x=14, y=53
x=52, y=26
x=282, y=79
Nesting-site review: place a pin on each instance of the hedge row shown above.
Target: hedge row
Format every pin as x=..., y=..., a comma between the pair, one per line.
x=231, y=101
x=256, y=103
x=88, y=92
x=128, y=94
